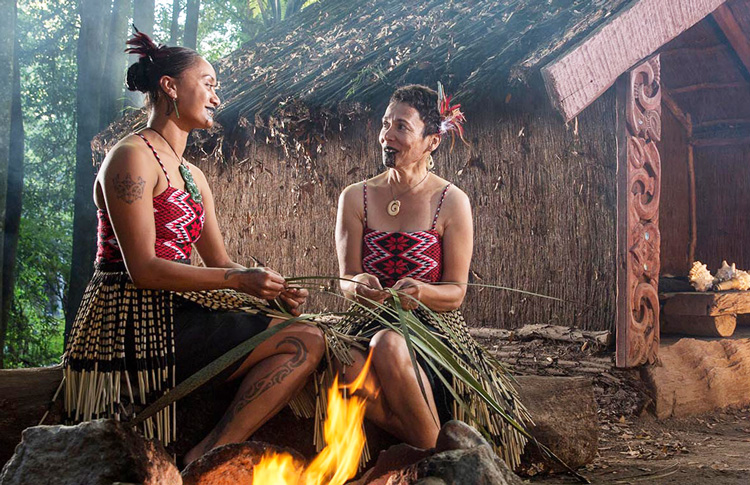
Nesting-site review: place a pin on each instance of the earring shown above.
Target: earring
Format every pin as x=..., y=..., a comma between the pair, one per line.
x=176, y=111
x=430, y=162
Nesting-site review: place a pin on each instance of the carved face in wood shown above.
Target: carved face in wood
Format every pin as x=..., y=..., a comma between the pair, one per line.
x=401, y=139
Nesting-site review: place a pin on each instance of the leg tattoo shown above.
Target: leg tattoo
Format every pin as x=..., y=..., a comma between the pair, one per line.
x=260, y=386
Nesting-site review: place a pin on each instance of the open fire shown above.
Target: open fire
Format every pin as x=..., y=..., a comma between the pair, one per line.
x=344, y=437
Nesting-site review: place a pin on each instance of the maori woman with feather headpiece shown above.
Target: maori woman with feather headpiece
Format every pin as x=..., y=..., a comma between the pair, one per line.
x=404, y=240
x=148, y=320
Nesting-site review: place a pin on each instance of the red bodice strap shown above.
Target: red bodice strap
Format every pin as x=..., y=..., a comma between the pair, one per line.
x=391, y=256
x=179, y=222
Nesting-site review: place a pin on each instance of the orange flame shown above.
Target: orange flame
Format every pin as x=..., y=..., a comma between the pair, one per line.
x=345, y=440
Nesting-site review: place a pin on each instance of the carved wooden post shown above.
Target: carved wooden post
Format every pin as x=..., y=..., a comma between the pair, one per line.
x=638, y=187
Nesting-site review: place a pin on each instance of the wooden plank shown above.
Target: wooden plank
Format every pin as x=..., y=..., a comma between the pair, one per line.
x=583, y=73
x=736, y=37
x=701, y=326
x=698, y=376
x=706, y=303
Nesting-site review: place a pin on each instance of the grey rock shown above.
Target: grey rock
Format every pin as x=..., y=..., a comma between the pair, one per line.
x=94, y=453
x=475, y=466
x=457, y=435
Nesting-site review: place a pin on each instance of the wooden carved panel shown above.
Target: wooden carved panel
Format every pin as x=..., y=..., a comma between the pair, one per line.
x=638, y=187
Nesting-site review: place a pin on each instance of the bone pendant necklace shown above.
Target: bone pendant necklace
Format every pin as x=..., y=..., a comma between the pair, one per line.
x=190, y=186
x=394, y=206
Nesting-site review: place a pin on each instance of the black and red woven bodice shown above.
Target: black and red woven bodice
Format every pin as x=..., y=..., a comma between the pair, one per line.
x=391, y=256
x=178, y=219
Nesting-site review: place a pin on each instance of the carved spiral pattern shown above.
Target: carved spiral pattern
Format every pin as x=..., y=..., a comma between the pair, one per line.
x=642, y=177
x=644, y=336
x=644, y=109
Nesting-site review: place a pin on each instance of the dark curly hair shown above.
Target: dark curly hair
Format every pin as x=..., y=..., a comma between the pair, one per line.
x=155, y=61
x=425, y=101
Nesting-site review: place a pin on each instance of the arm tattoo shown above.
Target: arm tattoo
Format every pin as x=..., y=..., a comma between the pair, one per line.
x=263, y=384
x=127, y=189
x=230, y=272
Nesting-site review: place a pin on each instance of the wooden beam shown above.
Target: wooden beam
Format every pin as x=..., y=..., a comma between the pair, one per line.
x=736, y=37
x=721, y=123
x=692, y=201
x=720, y=142
x=709, y=86
x=684, y=118
x=721, y=133
x=577, y=77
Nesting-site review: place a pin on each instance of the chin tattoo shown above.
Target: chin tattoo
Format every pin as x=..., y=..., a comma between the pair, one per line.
x=389, y=159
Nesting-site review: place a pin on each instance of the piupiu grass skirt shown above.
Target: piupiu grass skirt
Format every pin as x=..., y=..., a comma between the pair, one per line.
x=129, y=346
x=450, y=328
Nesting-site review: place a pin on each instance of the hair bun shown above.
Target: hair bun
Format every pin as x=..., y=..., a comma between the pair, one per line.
x=138, y=75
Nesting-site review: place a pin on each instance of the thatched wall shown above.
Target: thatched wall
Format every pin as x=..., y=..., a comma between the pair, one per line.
x=723, y=204
x=543, y=197
x=674, y=204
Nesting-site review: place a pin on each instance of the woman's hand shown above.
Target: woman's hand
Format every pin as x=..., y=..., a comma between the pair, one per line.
x=260, y=282
x=368, y=287
x=293, y=298
x=409, y=292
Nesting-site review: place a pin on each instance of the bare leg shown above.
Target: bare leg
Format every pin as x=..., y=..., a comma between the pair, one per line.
x=273, y=373
x=400, y=408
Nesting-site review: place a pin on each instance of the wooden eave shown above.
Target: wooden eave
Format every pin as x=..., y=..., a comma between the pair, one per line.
x=733, y=32
x=580, y=75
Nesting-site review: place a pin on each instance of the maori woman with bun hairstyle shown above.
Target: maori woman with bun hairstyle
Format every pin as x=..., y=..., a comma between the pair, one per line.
x=149, y=319
x=410, y=230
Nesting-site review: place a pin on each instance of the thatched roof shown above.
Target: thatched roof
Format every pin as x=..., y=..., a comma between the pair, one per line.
x=341, y=59
x=342, y=56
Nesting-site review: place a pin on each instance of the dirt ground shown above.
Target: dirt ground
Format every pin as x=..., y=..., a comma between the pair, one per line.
x=712, y=448
x=635, y=447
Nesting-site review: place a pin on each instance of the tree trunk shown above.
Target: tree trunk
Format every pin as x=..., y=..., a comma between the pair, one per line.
x=143, y=19
x=143, y=15
x=90, y=60
x=191, y=23
x=174, y=29
x=13, y=203
x=113, y=81
x=7, y=41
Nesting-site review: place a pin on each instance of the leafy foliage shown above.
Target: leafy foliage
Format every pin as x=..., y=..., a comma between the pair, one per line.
x=225, y=25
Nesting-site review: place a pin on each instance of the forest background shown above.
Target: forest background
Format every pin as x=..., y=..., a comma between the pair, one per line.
x=62, y=72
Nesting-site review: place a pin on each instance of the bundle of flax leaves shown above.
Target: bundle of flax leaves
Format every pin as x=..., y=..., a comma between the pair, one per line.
x=419, y=341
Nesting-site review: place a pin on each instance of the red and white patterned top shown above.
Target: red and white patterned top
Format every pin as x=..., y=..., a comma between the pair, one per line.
x=391, y=256
x=179, y=223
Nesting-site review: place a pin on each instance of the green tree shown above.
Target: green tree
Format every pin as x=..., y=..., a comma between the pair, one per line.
x=7, y=78
x=47, y=33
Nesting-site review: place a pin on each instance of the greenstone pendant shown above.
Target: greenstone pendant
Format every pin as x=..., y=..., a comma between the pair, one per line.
x=190, y=185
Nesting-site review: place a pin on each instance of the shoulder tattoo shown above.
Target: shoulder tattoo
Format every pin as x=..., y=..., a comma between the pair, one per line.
x=127, y=189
